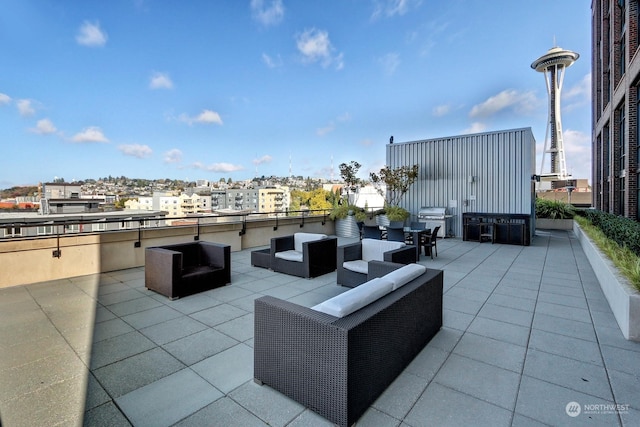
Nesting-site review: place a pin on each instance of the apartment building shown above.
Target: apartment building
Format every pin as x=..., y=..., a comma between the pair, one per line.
x=272, y=199
x=615, y=98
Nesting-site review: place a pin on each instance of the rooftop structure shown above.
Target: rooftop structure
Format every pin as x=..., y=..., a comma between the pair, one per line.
x=553, y=64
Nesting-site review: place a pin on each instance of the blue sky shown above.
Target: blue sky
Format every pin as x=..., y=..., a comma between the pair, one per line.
x=238, y=88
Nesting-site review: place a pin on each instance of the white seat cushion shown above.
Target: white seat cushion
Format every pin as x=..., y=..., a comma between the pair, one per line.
x=356, y=298
x=300, y=238
x=405, y=274
x=373, y=250
x=359, y=266
x=290, y=255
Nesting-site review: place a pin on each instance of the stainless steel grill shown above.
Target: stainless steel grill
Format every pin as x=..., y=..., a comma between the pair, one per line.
x=436, y=216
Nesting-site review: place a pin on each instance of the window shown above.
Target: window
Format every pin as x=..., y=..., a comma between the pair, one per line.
x=12, y=231
x=606, y=154
x=623, y=36
x=622, y=137
x=72, y=228
x=621, y=187
x=44, y=230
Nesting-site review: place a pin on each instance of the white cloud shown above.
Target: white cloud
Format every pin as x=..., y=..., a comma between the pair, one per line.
x=325, y=130
x=91, y=35
x=580, y=90
x=263, y=159
x=267, y=15
x=218, y=167
x=25, y=107
x=476, y=127
x=4, y=99
x=521, y=102
x=44, y=127
x=205, y=117
x=136, y=150
x=271, y=62
x=160, y=81
x=90, y=134
x=390, y=63
x=173, y=156
x=441, y=110
x=315, y=46
x=391, y=8
x=578, y=95
x=331, y=126
x=577, y=147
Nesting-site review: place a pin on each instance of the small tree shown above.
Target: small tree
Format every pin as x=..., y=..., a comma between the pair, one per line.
x=348, y=173
x=397, y=182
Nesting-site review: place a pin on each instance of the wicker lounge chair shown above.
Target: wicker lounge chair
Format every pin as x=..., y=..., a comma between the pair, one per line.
x=304, y=254
x=187, y=268
x=350, y=277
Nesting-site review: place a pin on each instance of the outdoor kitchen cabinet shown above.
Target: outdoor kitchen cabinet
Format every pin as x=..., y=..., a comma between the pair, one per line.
x=513, y=229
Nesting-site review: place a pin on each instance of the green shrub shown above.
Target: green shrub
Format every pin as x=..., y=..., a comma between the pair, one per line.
x=626, y=261
x=554, y=209
x=344, y=210
x=624, y=231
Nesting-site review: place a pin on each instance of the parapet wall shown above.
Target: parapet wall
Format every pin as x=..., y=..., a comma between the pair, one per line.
x=33, y=260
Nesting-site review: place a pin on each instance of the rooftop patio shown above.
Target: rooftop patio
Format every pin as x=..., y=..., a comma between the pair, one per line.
x=526, y=331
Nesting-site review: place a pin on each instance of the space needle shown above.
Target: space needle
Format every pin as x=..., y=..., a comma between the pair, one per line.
x=553, y=64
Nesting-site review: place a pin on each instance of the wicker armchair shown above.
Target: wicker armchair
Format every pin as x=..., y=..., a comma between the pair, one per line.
x=304, y=254
x=187, y=268
x=354, y=252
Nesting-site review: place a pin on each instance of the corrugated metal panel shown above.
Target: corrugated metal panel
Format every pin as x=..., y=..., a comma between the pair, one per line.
x=501, y=163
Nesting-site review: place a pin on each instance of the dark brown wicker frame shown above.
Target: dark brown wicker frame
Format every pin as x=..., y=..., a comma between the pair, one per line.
x=187, y=268
x=353, y=251
x=337, y=367
x=318, y=257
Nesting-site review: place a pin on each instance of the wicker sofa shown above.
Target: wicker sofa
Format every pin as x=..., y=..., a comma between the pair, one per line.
x=187, y=268
x=353, y=259
x=338, y=366
x=304, y=254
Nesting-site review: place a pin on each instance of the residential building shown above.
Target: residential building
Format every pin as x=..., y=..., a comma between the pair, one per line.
x=242, y=199
x=615, y=97
x=62, y=197
x=272, y=199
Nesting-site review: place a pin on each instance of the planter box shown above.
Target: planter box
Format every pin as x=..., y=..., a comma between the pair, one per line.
x=554, y=224
x=623, y=299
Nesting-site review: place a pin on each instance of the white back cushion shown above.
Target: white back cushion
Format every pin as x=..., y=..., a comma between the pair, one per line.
x=373, y=250
x=300, y=238
x=405, y=274
x=356, y=298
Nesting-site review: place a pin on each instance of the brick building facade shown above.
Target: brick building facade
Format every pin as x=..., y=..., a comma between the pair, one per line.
x=615, y=98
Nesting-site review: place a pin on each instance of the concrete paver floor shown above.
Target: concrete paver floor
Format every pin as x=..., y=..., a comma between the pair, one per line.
x=527, y=332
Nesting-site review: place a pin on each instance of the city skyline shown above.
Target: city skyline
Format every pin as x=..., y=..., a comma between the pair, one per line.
x=212, y=90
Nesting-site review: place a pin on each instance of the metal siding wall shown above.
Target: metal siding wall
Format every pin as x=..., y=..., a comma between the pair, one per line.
x=501, y=162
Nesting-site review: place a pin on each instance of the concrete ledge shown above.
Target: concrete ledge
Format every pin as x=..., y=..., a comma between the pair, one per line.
x=554, y=224
x=623, y=299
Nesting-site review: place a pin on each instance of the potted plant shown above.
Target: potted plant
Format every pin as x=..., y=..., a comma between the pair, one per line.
x=554, y=215
x=393, y=184
x=344, y=212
